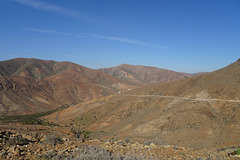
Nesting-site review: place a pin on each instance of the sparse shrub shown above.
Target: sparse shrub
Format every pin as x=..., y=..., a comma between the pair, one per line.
x=76, y=131
x=127, y=140
x=155, y=141
x=147, y=143
x=113, y=140
x=80, y=133
x=18, y=140
x=61, y=157
x=49, y=155
x=237, y=152
x=86, y=134
x=90, y=152
x=181, y=153
x=53, y=140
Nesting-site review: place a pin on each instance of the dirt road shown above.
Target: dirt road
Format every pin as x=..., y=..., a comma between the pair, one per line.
x=184, y=98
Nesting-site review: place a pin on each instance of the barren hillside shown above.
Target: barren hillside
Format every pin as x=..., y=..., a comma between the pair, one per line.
x=223, y=83
x=199, y=121
x=33, y=85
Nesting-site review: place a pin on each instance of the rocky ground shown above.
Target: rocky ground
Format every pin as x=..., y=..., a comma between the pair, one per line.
x=28, y=144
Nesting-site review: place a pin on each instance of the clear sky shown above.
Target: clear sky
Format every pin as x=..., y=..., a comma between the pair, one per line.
x=181, y=35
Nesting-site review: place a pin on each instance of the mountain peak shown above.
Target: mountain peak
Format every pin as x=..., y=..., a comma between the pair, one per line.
x=139, y=74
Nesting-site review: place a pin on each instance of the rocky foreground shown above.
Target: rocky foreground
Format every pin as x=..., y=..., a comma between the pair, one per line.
x=34, y=145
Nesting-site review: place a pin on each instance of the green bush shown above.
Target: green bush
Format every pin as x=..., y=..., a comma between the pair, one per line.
x=32, y=118
x=28, y=119
x=237, y=152
x=86, y=134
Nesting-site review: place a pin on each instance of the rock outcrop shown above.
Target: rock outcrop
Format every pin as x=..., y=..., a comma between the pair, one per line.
x=40, y=146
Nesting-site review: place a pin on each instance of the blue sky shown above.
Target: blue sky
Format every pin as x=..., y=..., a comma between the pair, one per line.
x=186, y=36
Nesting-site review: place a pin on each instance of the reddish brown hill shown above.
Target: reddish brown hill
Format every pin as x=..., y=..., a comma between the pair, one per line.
x=199, y=122
x=20, y=95
x=75, y=83
x=57, y=83
x=142, y=75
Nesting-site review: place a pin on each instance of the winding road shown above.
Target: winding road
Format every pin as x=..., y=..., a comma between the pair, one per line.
x=173, y=97
x=184, y=98
x=58, y=115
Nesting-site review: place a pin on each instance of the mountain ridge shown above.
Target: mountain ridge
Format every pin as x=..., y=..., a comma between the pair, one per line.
x=139, y=74
x=62, y=83
x=66, y=83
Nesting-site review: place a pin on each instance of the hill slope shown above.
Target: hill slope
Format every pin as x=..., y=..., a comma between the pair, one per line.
x=199, y=122
x=223, y=84
x=137, y=74
x=20, y=95
x=24, y=67
x=57, y=82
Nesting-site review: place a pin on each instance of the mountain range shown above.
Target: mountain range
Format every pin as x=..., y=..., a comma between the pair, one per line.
x=30, y=85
